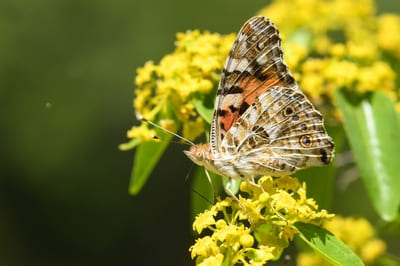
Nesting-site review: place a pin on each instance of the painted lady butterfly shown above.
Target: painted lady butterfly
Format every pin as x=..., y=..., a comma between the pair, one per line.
x=263, y=124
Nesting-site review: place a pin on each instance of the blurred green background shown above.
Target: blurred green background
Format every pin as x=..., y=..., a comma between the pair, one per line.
x=66, y=72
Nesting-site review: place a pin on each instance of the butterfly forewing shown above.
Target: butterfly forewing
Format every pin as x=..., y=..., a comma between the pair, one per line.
x=253, y=66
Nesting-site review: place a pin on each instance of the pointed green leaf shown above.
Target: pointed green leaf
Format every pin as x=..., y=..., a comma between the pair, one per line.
x=321, y=180
x=146, y=157
x=320, y=183
x=206, y=112
x=374, y=134
x=202, y=195
x=327, y=245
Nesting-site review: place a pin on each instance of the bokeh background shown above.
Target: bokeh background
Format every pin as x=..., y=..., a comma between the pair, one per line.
x=66, y=89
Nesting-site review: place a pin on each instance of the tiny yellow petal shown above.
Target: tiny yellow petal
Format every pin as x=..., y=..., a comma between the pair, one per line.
x=203, y=220
x=246, y=240
x=205, y=247
x=213, y=260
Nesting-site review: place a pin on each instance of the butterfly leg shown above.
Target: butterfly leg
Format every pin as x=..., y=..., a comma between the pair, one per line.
x=230, y=193
x=253, y=182
x=211, y=184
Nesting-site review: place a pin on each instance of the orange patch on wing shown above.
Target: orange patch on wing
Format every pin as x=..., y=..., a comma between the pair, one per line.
x=228, y=119
x=253, y=87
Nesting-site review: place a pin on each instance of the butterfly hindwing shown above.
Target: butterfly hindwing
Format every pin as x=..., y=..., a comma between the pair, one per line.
x=280, y=133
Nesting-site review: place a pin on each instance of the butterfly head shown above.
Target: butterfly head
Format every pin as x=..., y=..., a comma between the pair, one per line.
x=199, y=154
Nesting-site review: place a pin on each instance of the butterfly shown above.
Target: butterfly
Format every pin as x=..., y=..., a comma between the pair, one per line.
x=262, y=123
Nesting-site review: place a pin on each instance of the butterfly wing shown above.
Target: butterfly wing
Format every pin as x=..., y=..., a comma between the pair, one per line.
x=253, y=66
x=280, y=133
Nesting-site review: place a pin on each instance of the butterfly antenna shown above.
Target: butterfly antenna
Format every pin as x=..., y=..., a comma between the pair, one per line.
x=189, y=172
x=202, y=196
x=160, y=139
x=141, y=118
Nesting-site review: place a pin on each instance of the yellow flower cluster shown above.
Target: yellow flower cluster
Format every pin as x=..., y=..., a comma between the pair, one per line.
x=328, y=45
x=343, y=45
x=165, y=91
x=357, y=234
x=272, y=210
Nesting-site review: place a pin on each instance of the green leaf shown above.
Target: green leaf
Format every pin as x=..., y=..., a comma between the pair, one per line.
x=205, y=111
x=234, y=185
x=129, y=145
x=373, y=129
x=302, y=37
x=262, y=229
x=202, y=195
x=146, y=157
x=327, y=245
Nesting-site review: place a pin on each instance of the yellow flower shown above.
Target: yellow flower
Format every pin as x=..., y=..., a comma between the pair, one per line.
x=337, y=50
x=379, y=75
x=165, y=91
x=388, y=35
x=310, y=259
x=261, y=226
x=345, y=59
x=312, y=79
x=322, y=44
x=168, y=124
x=353, y=58
x=246, y=240
x=203, y=220
x=142, y=132
x=283, y=201
x=398, y=107
x=261, y=255
x=372, y=250
x=229, y=235
x=354, y=232
x=341, y=73
x=294, y=53
x=363, y=50
x=144, y=74
x=205, y=247
x=330, y=15
x=213, y=260
x=193, y=129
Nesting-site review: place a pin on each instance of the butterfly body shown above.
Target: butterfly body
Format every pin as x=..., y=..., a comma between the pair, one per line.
x=262, y=123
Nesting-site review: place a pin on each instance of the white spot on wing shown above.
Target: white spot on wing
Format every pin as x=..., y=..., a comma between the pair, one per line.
x=238, y=65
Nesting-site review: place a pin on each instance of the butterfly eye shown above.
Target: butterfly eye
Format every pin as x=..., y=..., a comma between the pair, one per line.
x=305, y=141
